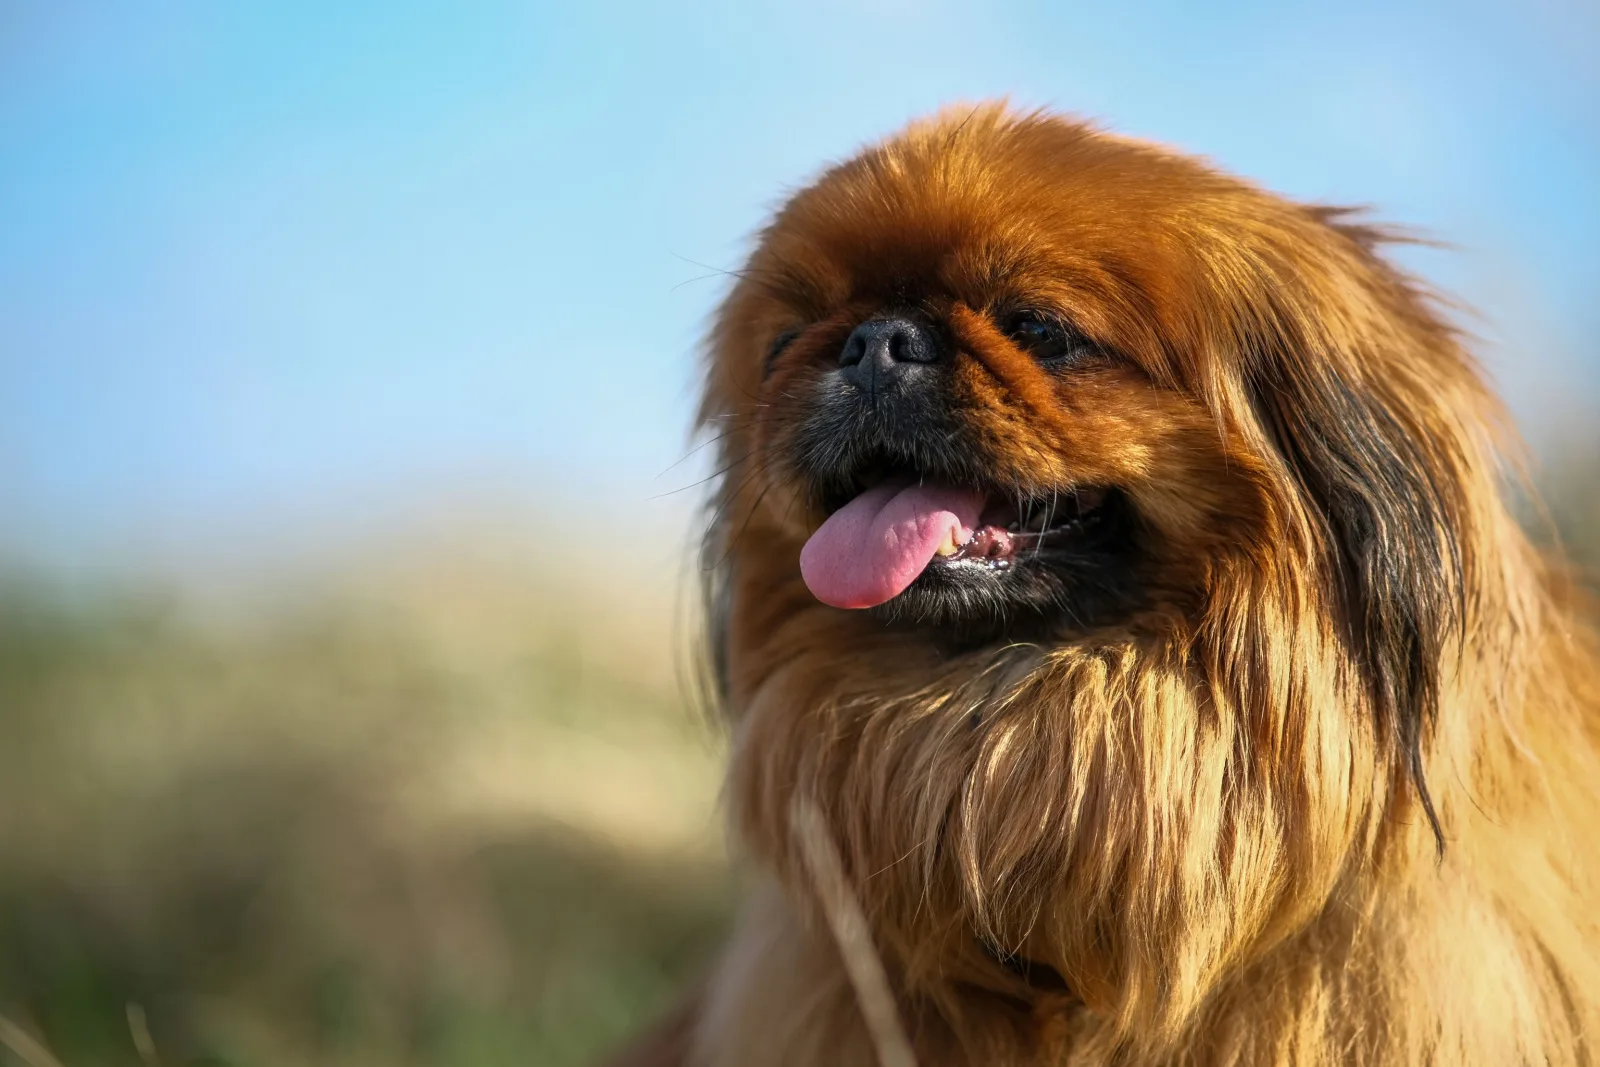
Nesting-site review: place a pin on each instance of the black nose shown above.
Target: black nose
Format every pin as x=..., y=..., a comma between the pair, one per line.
x=879, y=353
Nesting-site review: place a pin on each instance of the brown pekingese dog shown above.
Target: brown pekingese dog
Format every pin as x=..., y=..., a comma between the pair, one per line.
x=1112, y=570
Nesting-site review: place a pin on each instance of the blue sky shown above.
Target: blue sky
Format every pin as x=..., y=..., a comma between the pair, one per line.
x=264, y=266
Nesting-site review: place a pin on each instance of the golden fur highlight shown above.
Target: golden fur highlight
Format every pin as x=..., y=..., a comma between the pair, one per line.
x=1329, y=796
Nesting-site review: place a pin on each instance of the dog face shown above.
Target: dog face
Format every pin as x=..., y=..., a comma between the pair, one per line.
x=1007, y=336
x=1014, y=378
x=1096, y=526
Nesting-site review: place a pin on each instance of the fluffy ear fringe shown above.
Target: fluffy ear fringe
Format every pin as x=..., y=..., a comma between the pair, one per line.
x=1335, y=378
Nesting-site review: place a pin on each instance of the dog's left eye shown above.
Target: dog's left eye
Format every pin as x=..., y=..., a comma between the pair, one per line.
x=1048, y=340
x=775, y=349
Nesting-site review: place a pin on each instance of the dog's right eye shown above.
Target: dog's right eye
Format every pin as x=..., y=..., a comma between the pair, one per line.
x=775, y=349
x=1048, y=339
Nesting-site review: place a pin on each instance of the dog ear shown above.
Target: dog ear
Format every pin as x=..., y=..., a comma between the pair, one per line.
x=1380, y=470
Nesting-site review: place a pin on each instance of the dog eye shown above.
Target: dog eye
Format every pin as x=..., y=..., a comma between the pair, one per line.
x=1046, y=339
x=775, y=349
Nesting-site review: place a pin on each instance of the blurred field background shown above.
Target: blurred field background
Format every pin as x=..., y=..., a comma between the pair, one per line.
x=446, y=804
x=347, y=600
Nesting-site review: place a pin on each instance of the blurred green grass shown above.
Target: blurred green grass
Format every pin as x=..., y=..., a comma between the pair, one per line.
x=414, y=808
x=446, y=816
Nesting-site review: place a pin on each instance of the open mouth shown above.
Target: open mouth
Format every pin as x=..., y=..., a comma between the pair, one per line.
x=1007, y=530
x=886, y=529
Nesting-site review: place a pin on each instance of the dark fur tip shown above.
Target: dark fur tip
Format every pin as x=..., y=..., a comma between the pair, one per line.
x=1392, y=520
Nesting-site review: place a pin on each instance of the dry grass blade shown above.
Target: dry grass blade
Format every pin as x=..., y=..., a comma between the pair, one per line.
x=849, y=926
x=25, y=1046
x=139, y=1030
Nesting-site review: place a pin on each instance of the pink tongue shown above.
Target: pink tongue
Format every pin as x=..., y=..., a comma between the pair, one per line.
x=872, y=548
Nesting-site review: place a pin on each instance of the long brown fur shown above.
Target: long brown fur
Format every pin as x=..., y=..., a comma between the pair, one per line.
x=1328, y=797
